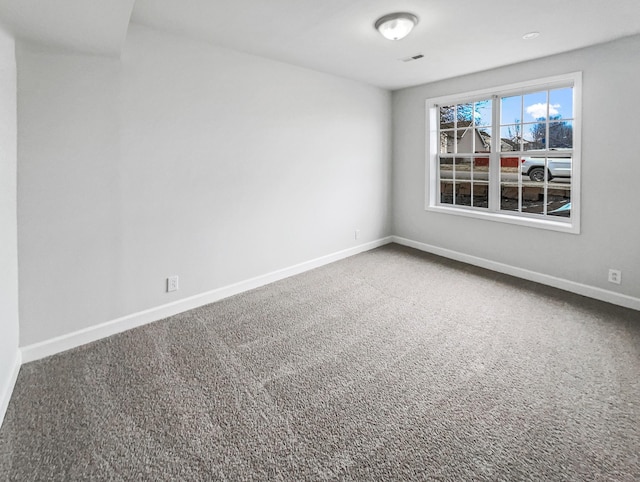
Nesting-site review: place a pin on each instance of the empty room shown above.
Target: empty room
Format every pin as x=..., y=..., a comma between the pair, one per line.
x=319, y=240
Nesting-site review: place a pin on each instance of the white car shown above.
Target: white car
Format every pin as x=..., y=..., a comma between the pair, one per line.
x=556, y=167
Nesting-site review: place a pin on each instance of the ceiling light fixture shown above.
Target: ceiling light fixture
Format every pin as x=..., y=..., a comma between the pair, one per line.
x=396, y=26
x=531, y=35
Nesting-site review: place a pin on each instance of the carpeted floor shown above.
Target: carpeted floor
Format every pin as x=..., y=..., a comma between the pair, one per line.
x=390, y=365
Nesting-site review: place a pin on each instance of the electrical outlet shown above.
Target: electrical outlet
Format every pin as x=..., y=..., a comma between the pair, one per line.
x=615, y=276
x=357, y=234
x=172, y=283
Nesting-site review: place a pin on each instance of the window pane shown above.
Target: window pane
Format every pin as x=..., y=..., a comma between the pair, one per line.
x=509, y=190
x=446, y=168
x=559, y=199
x=509, y=197
x=447, y=116
x=463, y=193
x=483, y=140
x=532, y=197
x=465, y=140
x=481, y=169
x=511, y=110
x=481, y=194
x=510, y=137
x=559, y=168
x=535, y=106
x=561, y=103
x=464, y=113
x=561, y=135
x=447, y=141
x=534, y=136
x=483, y=113
x=446, y=192
x=533, y=169
x=463, y=168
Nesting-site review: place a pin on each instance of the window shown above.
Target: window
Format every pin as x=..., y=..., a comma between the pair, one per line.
x=509, y=154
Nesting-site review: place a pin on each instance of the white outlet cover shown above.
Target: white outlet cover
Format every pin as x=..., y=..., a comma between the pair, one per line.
x=172, y=283
x=615, y=276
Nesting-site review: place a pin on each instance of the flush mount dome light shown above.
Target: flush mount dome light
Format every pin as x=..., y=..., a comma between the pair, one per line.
x=396, y=26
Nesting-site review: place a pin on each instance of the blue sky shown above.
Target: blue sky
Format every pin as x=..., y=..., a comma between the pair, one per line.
x=526, y=108
x=530, y=107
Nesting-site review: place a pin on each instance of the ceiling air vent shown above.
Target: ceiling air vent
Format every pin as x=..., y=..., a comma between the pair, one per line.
x=412, y=58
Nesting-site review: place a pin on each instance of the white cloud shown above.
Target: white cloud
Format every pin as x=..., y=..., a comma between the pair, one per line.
x=539, y=110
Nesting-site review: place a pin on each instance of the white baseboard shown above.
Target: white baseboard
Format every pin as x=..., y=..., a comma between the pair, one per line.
x=7, y=389
x=65, y=342
x=563, y=284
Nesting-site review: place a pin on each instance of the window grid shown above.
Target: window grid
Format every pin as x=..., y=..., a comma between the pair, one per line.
x=537, y=145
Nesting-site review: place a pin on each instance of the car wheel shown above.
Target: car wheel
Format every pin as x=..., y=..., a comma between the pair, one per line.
x=537, y=174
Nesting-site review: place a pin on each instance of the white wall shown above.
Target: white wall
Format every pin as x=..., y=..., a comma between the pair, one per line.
x=9, y=355
x=610, y=174
x=184, y=159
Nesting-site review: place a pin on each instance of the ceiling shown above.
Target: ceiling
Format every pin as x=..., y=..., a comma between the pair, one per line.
x=456, y=37
x=93, y=26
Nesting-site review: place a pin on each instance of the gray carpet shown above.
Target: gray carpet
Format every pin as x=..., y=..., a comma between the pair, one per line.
x=390, y=365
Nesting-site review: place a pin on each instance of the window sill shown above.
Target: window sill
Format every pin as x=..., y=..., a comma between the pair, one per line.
x=571, y=227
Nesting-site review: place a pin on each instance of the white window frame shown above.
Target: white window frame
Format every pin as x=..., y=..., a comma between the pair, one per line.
x=432, y=200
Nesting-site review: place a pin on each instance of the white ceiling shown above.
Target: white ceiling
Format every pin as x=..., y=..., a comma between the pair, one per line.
x=337, y=36
x=456, y=37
